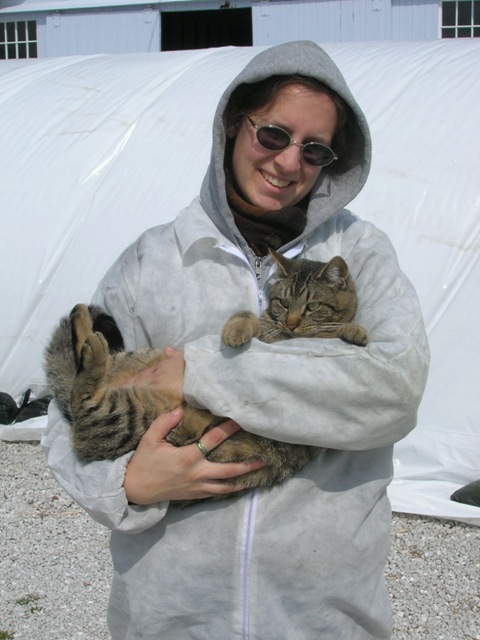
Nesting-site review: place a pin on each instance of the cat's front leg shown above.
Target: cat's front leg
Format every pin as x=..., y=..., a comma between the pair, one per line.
x=91, y=371
x=353, y=333
x=240, y=329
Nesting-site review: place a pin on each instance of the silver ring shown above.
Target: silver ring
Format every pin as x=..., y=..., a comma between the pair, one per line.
x=202, y=448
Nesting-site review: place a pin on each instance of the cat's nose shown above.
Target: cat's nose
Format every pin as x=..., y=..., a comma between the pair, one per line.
x=293, y=322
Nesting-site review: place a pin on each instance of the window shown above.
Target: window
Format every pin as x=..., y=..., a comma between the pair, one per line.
x=206, y=28
x=461, y=19
x=18, y=39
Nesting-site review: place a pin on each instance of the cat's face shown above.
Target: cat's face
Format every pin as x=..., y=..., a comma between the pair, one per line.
x=312, y=295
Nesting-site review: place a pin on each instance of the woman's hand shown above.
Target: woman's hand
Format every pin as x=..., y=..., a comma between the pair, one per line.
x=159, y=471
x=167, y=374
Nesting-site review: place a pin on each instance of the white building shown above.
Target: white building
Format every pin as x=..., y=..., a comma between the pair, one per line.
x=46, y=28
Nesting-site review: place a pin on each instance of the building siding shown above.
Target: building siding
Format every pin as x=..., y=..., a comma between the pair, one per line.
x=276, y=22
x=102, y=31
x=415, y=20
x=344, y=20
x=126, y=29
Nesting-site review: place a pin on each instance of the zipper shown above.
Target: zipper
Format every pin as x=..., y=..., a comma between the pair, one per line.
x=258, y=269
x=255, y=263
x=246, y=559
x=258, y=274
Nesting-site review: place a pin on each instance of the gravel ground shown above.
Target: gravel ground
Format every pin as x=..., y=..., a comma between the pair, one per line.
x=55, y=565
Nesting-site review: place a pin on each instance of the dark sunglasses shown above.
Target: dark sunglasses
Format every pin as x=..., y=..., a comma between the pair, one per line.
x=274, y=138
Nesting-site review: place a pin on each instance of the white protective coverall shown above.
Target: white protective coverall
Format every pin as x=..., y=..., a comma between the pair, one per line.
x=304, y=560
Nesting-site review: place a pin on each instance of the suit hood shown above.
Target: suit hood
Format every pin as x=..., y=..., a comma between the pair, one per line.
x=331, y=192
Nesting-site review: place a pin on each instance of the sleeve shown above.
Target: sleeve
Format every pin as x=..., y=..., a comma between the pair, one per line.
x=98, y=486
x=325, y=392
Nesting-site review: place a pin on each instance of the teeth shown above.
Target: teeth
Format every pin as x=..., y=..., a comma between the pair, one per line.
x=274, y=181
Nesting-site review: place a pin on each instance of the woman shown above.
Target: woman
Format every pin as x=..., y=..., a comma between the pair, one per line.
x=303, y=560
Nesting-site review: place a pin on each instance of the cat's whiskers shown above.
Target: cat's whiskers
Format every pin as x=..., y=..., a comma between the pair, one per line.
x=330, y=326
x=325, y=330
x=273, y=332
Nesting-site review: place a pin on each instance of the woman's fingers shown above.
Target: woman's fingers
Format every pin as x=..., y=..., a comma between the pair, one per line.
x=161, y=426
x=216, y=473
x=219, y=434
x=159, y=471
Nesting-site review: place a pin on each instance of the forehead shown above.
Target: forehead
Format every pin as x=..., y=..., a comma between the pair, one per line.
x=296, y=94
x=296, y=103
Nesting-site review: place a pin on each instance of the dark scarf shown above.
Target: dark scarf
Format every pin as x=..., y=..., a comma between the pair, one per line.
x=264, y=230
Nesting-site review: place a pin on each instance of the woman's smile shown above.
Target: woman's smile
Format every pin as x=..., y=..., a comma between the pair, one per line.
x=276, y=182
x=273, y=180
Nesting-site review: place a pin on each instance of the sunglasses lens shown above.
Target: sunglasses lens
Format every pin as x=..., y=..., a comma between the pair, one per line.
x=273, y=138
x=318, y=154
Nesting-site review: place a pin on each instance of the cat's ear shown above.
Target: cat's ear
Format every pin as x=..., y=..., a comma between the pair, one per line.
x=284, y=263
x=335, y=272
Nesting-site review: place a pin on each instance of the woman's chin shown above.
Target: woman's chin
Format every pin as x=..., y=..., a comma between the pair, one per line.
x=270, y=203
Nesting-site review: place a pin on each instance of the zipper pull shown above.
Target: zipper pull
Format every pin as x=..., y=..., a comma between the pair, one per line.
x=258, y=268
x=258, y=275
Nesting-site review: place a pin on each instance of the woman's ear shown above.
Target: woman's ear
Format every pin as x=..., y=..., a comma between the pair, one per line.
x=231, y=131
x=233, y=125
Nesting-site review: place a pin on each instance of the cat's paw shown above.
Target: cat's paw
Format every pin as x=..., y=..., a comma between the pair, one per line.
x=354, y=334
x=194, y=424
x=240, y=329
x=81, y=324
x=94, y=351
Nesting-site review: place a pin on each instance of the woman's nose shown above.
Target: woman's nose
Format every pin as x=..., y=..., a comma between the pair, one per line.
x=290, y=158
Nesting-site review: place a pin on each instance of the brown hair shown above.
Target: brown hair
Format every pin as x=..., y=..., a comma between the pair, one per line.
x=347, y=142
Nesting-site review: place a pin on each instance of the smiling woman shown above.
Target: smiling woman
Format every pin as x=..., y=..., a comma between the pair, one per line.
x=250, y=98
x=272, y=179
x=283, y=132
x=231, y=568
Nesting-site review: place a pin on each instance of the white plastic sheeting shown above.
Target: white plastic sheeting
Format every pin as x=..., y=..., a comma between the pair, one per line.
x=96, y=149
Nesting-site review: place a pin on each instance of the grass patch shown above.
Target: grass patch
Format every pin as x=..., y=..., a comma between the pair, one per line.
x=29, y=601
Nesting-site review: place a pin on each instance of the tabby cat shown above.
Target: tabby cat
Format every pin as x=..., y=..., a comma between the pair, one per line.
x=88, y=371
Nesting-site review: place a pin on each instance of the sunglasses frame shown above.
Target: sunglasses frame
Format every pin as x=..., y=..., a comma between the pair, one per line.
x=302, y=146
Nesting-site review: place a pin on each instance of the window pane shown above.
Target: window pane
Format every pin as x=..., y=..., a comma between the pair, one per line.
x=10, y=32
x=3, y=53
x=476, y=12
x=2, y=32
x=448, y=33
x=22, y=50
x=464, y=32
x=448, y=14
x=32, y=50
x=32, y=30
x=11, y=51
x=465, y=12
x=21, y=31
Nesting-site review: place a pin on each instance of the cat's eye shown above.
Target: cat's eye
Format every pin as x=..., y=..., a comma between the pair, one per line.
x=285, y=303
x=313, y=306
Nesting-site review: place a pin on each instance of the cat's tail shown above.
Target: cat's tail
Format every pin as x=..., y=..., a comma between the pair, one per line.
x=60, y=366
x=60, y=362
